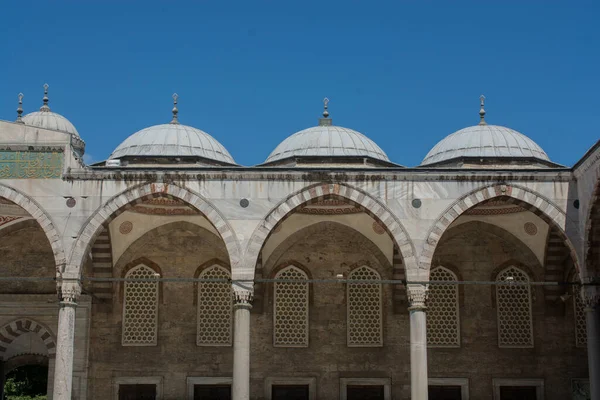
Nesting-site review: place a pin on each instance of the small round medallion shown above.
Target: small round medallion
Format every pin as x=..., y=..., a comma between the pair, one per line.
x=244, y=203
x=126, y=227
x=378, y=228
x=530, y=228
x=416, y=203
x=71, y=202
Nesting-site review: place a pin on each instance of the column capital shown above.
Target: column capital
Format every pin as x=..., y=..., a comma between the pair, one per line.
x=69, y=292
x=590, y=294
x=242, y=298
x=417, y=296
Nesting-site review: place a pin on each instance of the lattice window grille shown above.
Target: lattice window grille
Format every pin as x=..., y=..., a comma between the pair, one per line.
x=513, y=302
x=580, y=321
x=290, y=309
x=365, y=327
x=140, y=308
x=215, y=302
x=443, y=319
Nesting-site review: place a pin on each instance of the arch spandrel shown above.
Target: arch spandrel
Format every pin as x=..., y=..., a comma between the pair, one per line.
x=515, y=194
x=120, y=202
x=365, y=201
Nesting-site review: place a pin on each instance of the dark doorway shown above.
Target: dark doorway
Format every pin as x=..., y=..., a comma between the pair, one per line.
x=365, y=392
x=137, y=392
x=518, y=393
x=445, y=393
x=289, y=392
x=212, y=392
x=26, y=381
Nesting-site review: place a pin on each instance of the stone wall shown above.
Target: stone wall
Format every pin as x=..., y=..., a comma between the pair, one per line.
x=178, y=249
x=478, y=252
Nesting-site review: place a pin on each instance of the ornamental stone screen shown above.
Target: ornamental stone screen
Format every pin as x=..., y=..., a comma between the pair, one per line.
x=364, y=309
x=580, y=322
x=443, y=320
x=140, y=308
x=215, y=303
x=513, y=305
x=290, y=309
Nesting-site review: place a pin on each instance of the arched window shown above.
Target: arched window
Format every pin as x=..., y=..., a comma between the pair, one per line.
x=513, y=306
x=215, y=303
x=580, y=321
x=140, y=308
x=443, y=320
x=290, y=309
x=365, y=328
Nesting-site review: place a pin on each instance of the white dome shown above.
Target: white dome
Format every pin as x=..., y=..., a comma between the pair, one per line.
x=172, y=140
x=485, y=141
x=327, y=141
x=50, y=120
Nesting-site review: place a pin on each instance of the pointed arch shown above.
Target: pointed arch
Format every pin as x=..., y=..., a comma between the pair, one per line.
x=518, y=195
x=126, y=199
x=43, y=219
x=12, y=330
x=359, y=198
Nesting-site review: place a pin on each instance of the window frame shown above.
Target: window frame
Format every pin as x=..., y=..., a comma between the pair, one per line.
x=530, y=295
x=348, y=344
x=123, y=309
x=138, y=380
x=385, y=382
x=192, y=381
x=538, y=383
x=198, y=294
x=457, y=306
x=291, y=380
x=307, y=317
x=462, y=382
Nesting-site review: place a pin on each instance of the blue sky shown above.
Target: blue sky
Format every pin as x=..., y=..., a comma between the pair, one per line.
x=251, y=73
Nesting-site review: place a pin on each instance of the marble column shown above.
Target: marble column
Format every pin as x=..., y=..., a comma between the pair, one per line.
x=417, y=295
x=68, y=293
x=242, y=303
x=591, y=298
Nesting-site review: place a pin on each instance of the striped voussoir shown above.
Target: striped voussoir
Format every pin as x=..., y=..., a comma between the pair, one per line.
x=512, y=194
x=14, y=329
x=399, y=291
x=593, y=235
x=102, y=264
x=554, y=264
x=349, y=195
x=136, y=195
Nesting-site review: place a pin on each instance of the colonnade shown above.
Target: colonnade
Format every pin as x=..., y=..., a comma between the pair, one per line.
x=417, y=295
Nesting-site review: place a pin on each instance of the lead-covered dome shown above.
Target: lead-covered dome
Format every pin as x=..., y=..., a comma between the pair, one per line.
x=327, y=141
x=47, y=119
x=485, y=141
x=172, y=140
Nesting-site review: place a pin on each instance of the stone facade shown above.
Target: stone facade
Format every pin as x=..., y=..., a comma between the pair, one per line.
x=85, y=224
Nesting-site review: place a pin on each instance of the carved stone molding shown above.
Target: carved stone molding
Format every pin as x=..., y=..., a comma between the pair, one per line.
x=69, y=292
x=591, y=296
x=417, y=296
x=242, y=298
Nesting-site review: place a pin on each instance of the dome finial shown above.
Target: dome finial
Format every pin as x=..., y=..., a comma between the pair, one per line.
x=325, y=121
x=20, y=109
x=175, y=110
x=482, y=111
x=45, y=107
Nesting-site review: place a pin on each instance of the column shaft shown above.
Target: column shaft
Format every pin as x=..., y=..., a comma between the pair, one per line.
x=240, y=389
x=418, y=343
x=65, y=341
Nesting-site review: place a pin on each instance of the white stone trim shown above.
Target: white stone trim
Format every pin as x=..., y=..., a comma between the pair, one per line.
x=191, y=381
x=274, y=381
x=138, y=380
x=462, y=382
x=385, y=382
x=537, y=382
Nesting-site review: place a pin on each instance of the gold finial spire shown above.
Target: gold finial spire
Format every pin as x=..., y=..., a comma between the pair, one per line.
x=45, y=107
x=325, y=121
x=175, y=110
x=482, y=111
x=20, y=109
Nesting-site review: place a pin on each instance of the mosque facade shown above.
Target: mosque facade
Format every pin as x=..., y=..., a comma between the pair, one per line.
x=169, y=271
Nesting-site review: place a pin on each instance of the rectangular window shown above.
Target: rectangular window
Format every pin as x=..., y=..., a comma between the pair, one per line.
x=212, y=392
x=365, y=389
x=137, y=392
x=445, y=393
x=518, y=389
x=209, y=388
x=290, y=388
x=289, y=392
